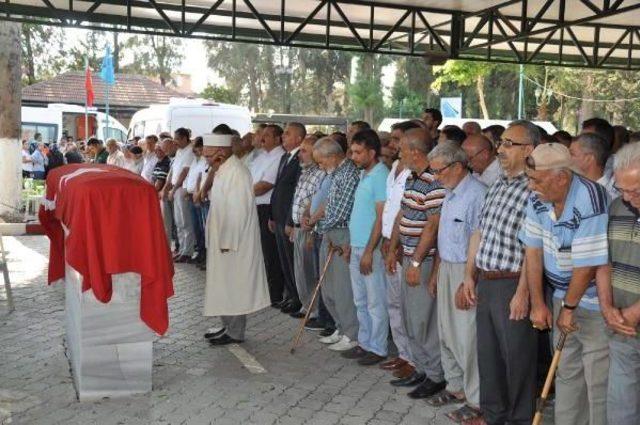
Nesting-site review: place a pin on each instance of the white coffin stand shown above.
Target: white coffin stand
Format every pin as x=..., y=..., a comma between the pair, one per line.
x=109, y=346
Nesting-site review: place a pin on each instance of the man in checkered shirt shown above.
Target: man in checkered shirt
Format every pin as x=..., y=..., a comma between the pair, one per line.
x=507, y=343
x=336, y=290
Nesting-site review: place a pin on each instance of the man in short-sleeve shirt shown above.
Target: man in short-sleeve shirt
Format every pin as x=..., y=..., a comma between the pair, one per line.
x=264, y=172
x=416, y=229
x=565, y=234
x=366, y=265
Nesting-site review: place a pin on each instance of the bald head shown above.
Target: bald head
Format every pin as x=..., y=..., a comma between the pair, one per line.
x=471, y=127
x=480, y=151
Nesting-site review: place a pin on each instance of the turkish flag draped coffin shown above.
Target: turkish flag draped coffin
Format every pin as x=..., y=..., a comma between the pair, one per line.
x=114, y=226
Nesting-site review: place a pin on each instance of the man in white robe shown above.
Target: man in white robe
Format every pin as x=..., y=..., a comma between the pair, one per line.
x=236, y=282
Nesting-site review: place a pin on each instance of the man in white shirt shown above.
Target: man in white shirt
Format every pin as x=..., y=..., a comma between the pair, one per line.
x=177, y=194
x=116, y=157
x=264, y=171
x=150, y=158
x=27, y=162
x=482, y=158
x=589, y=154
x=396, y=179
x=198, y=165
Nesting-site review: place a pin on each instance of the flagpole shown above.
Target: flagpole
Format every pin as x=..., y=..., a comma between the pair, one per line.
x=86, y=103
x=107, y=117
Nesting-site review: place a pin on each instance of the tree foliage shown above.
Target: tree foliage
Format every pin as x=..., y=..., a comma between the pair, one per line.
x=155, y=56
x=43, y=52
x=219, y=94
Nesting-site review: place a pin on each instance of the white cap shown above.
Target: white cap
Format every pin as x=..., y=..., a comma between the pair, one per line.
x=217, y=140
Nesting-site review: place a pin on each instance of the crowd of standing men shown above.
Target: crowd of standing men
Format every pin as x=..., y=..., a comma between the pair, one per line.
x=473, y=247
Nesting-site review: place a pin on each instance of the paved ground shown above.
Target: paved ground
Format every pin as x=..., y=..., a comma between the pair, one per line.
x=192, y=382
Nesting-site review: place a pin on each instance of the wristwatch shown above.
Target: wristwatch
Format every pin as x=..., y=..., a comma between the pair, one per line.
x=568, y=306
x=415, y=263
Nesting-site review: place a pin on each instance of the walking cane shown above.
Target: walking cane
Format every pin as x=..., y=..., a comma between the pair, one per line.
x=537, y=419
x=303, y=322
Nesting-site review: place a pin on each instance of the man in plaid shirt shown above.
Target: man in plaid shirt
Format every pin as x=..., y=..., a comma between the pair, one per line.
x=336, y=290
x=507, y=343
x=303, y=252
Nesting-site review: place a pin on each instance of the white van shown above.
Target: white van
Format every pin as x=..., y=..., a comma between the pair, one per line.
x=60, y=119
x=198, y=115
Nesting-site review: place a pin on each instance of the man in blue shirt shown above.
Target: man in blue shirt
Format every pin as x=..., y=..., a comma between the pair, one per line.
x=459, y=219
x=366, y=265
x=565, y=234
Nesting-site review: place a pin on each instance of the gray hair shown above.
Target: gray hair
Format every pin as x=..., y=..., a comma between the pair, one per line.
x=449, y=152
x=595, y=145
x=327, y=147
x=416, y=140
x=628, y=156
x=532, y=132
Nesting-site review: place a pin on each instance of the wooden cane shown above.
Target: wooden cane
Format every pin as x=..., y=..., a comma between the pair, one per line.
x=537, y=419
x=303, y=322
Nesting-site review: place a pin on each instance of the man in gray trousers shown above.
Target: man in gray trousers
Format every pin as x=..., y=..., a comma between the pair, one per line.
x=336, y=290
x=416, y=229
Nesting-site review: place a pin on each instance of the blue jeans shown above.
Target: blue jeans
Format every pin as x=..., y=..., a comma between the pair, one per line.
x=204, y=213
x=198, y=226
x=370, y=299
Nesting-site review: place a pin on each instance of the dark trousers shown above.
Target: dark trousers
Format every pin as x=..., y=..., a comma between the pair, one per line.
x=275, y=277
x=507, y=356
x=285, y=252
x=198, y=226
x=323, y=314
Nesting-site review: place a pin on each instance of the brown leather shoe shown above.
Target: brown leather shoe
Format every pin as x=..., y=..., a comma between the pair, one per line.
x=392, y=364
x=404, y=371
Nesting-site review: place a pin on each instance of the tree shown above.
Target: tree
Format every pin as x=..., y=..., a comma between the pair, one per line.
x=366, y=93
x=91, y=47
x=43, y=53
x=219, y=94
x=464, y=74
x=155, y=56
x=411, y=91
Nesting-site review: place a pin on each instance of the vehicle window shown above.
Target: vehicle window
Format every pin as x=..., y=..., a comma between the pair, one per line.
x=48, y=131
x=113, y=133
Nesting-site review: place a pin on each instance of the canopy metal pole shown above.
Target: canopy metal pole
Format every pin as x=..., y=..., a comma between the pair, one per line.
x=520, y=93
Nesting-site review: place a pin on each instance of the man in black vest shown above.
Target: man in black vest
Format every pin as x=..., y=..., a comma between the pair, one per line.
x=281, y=202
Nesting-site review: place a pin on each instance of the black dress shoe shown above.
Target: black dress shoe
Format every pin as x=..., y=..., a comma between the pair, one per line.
x=414, y=379
x=277, y=304
x=284, y=303
x=427, y=389
x=224, y=340
x=297, y=315
x=314, y=324
x=354, y=353
x=210, y=335
x=370, y=359
x=327, y=331
x=292, y=307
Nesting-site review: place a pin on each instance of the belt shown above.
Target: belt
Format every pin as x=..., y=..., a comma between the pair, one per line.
x=498, y=275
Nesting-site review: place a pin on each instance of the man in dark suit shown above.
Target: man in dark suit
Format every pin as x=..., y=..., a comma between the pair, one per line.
x=281, y=202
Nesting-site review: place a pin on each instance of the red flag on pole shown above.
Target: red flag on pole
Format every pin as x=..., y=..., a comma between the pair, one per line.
x=88, y=85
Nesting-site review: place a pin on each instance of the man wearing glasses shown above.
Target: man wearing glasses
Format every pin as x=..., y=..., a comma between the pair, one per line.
x=565, y=234
x=482, y=158
x=459, y=219
x=619, y=293
x=507, y=344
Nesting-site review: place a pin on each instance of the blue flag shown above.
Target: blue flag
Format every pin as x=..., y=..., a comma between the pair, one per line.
x=106, y=73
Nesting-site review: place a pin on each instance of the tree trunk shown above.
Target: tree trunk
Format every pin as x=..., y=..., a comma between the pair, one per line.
x=116, y=53
x=586, y=108
x=31, y=68
x=10, y=98
x=481, y=99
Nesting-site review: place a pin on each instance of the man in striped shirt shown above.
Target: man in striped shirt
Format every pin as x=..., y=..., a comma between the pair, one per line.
x=495, y=260
x=619, y=292
x=565, y=234
x=416, y=228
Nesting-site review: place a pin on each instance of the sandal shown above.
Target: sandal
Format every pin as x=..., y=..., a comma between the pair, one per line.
x=443, y=398
x=465, y=414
